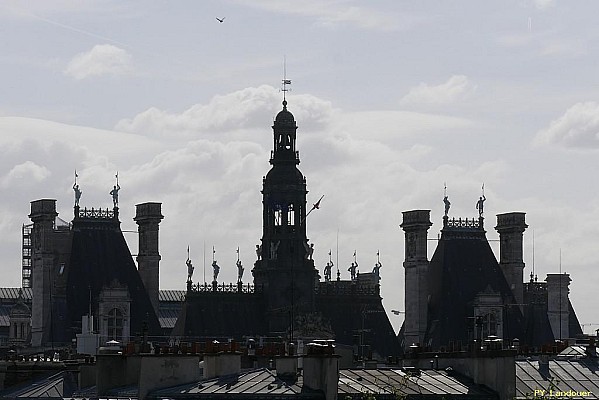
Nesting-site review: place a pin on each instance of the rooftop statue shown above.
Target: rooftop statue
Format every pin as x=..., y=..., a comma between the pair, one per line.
x=77, y=194
x=447, y=205
x=327, y=271
x=240, y=270
x=376, y=271
x=480, y=205
x=115, y=195
x=352, y=270
x=190, y=269
x=309, y=250
x=215, y=271
x=115, y=192
x=259, y=251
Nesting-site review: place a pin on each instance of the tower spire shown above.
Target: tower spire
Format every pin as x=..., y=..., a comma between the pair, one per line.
x=285, y=82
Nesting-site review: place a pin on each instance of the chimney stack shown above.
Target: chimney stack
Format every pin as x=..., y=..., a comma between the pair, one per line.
x=148, y=217
x=511, y=227
x=558, y=309
x=415, y=225
x=321, y=368
x=43, y=215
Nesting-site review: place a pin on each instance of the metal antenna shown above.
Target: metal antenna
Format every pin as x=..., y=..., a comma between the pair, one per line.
x=533, y=253
x=337, y=250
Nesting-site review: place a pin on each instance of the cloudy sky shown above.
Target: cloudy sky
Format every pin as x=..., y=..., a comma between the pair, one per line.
x=392, y=99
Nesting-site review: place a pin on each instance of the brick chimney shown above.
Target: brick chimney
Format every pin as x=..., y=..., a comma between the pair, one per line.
x=321, y=368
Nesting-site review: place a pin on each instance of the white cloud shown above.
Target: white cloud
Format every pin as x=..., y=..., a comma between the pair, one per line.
x=456, y=88
x=544, y=44
x=340, y=13
x=102, y=59
x=562, y=47
x=25, y=173
x=577, y=128
x=543, y=4
x=250, y=108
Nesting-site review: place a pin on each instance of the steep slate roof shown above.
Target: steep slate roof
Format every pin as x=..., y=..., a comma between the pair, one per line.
x=5, y=315
x=573, y=323
x=345, y=312
x=537, y=329
x=171, y=295
x=259, y=383
x=351, y=310
x=11, y=293
x=353, y=383
x=462, y=266
x=221, y=314
x=54, y=386
x=394, y=383
x=100, y=255
x=580, y=375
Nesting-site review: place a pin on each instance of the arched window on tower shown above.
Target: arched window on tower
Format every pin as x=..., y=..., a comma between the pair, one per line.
x=278, y=216
x=115, y=324
x=290, y=215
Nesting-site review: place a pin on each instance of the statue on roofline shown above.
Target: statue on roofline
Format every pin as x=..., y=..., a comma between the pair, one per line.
x=215, y=271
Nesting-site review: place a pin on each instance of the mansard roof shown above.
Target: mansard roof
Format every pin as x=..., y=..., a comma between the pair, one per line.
x=99, y=256
x=462, y=267
x=354, y=311
x=223, y=312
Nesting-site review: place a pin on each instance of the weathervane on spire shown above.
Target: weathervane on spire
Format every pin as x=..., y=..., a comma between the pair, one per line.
x=285, y=81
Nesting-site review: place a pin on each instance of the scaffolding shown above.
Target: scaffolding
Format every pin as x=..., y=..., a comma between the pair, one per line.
x=27, y=278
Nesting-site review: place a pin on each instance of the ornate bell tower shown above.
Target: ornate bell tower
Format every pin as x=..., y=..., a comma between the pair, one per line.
x=284, y=270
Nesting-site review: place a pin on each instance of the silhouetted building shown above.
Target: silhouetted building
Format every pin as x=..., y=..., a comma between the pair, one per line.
x=287, y=299
x=85, y=268
x=463, y=294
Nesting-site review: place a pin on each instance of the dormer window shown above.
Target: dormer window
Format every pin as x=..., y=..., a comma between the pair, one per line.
x=115, y=324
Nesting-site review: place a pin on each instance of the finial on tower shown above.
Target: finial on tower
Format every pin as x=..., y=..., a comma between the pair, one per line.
x=285, y=82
